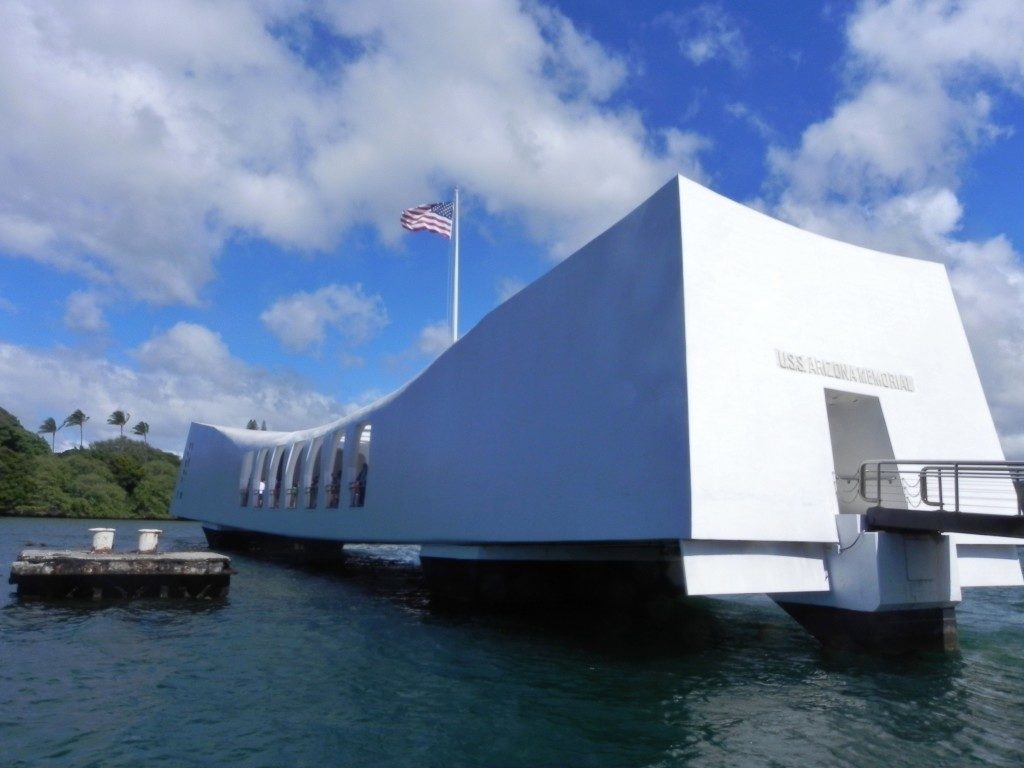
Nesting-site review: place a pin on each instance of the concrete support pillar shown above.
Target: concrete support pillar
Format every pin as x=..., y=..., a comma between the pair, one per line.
x=920, y=629
x=887, y=592
x=544, y=576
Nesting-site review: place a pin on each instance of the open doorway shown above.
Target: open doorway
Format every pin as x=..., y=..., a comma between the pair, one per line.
x=280, y=456
x=336, y=455
x=359, y=466
x=857, y=427
x=261, y=485
x=299, y=452
x=245, y=477
x=314, y=476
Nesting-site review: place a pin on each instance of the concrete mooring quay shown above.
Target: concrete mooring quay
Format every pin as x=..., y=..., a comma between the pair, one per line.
x=100, y=574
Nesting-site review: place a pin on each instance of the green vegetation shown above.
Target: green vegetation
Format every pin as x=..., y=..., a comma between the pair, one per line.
x=76, y=419
x=49, y=427
x=117, y=478
x=119, y=419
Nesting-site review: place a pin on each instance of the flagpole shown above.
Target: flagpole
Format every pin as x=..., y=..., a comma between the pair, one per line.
x=455, y=274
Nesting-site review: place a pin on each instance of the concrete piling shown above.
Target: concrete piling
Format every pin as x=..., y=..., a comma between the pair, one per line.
x=100, y=573
x=148, y=540
x=102, y=539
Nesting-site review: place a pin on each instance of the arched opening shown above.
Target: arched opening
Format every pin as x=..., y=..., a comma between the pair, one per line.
x=245, y=478
x=314, y=475
x=278, y=468
x=261, y=483
x=359, y=467
x=299, y=456
x=858, y=430
x=335, y=455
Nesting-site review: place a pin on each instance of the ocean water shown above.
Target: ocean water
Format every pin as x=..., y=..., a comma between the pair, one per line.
x=358, y=668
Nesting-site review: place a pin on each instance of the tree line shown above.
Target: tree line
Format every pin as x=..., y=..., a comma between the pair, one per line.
x=118, y=419
x=115, y=478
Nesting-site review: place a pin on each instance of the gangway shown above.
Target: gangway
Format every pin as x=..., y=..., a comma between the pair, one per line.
x=978, y=497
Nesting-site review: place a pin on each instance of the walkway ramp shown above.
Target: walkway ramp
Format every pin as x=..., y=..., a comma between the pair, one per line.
x=974, y=497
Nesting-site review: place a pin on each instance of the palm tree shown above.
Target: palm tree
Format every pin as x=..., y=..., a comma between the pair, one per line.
x=49, y=427
x=78, y=419
x=142, y=428
x=119, y=419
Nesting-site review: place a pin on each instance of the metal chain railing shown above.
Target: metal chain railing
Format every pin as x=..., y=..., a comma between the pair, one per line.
x=950, y=486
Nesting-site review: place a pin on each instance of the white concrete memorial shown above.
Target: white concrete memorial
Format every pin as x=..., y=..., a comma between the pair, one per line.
x=690, y=399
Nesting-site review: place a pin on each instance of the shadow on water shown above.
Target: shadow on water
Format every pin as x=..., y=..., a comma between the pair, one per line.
x=704, y=664
x=683, y=646
x=22, y=615
x=657, y=627
x=359, y=664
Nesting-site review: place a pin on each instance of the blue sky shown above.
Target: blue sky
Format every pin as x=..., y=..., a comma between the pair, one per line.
x=199, y=202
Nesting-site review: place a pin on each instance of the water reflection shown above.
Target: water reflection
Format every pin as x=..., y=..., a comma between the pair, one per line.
x=360, y=666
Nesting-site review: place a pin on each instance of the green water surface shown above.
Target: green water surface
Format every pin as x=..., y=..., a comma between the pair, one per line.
x=358, y=668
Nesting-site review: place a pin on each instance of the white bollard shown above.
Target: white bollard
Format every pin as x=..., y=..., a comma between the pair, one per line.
x=102, y=539
x=148, y=538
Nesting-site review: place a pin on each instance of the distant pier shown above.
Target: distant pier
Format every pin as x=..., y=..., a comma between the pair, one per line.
x=101, y=574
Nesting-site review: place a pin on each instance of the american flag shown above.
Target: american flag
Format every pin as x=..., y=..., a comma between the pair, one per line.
x=432, y=217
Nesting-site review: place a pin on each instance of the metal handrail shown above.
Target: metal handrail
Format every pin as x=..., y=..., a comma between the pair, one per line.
x=985, y=482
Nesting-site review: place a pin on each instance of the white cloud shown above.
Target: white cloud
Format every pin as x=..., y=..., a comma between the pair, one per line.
x=883, y=169
x=902, y=134
x=988, y=278
x=580, y=64
x=922, y=39
x=187, y=347
x=138, y=138
x=935, y=212
x=434, y=339
x=918, y=104
x=300, y=321
x=8, y=306
x=83, y=312
x=706, y=32
x=21, y=235
x=744, y=113
x=185, y=374
x=508, y=287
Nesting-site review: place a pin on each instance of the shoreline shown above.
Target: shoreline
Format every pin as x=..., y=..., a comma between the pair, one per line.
x=169, y=518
